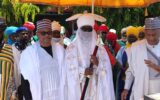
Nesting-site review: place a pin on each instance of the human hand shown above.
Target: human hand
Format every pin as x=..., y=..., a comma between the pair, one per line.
x=124, y=94
x=89, y=71
x=94, y=60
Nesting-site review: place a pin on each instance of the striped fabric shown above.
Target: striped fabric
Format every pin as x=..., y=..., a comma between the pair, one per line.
x=6, y=68
x=44, y=23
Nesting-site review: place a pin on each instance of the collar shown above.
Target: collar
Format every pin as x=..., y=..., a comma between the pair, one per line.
x=152, y=46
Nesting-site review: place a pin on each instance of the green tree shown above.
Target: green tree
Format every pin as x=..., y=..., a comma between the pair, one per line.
x=17, y=13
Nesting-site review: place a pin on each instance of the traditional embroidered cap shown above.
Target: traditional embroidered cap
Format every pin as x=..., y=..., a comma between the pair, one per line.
x=43, y=24
x=56, y=26
x=152, y=23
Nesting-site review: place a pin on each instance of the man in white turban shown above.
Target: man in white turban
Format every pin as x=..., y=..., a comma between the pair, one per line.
x=78, y=58
x=59, y=34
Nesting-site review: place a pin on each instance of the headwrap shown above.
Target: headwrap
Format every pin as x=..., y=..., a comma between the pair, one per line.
x=112, y=40
x=9, y=31
x=152, y=23
x=85, y=20
x=140, y=29
x=29, y=25
x=132, y=30
x=44, y=24
x=111, y=36
x=123, y=30
x=56, y=26
x=103, y=28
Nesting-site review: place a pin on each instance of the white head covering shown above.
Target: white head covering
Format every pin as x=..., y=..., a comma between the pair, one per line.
x=86, y=41
x=85, y=19
x=56, y=26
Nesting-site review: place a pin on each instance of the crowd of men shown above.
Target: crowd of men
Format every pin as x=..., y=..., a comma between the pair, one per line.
x=95, y=65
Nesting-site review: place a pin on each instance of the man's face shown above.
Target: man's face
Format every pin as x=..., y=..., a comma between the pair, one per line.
x=45, y=37
x=56, y=34
x=152, y=36
x=23, y=35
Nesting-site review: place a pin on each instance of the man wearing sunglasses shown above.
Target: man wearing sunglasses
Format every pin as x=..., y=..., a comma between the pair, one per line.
x=41, y=65
x=78, y=57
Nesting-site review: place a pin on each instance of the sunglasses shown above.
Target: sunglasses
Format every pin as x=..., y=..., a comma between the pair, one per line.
x=46, y=33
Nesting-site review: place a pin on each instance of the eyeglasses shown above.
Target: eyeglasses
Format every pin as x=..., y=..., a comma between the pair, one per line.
x=46, y=33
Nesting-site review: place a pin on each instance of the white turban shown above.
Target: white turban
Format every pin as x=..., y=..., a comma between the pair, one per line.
x=56, y=26
x=84, y=20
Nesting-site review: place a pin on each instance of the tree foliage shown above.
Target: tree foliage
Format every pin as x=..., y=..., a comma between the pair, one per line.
x=17, y=13
x=118, y=18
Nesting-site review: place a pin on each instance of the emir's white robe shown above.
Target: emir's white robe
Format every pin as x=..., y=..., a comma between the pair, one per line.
x=138, y=71
x=32, y=70
x=101, y=82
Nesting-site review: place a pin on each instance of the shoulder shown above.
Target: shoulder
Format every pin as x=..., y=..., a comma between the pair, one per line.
x=7, y=48
x=6, y=53
x=29, y=49
x=138, y=43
